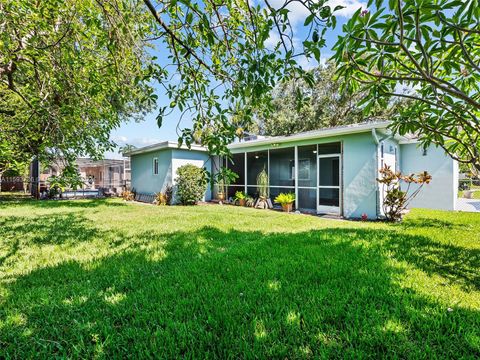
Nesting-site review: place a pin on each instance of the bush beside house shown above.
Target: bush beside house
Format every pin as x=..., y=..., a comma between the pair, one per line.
x=191, y=184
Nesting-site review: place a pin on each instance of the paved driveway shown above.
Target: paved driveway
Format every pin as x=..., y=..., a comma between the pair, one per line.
x=471, y=205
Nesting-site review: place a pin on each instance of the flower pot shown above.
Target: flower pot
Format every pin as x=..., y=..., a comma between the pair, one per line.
x=241, y=202
x=287, y=207
x=221, y=196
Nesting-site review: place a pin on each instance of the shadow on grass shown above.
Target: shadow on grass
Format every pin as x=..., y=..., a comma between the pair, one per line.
x=213, y=293
x=457, y=264
x=12, y=199
x=53, y=229
x=428, y=222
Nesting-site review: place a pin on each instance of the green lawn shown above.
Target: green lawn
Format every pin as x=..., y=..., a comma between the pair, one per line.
x=107, y=279
x=476, y=194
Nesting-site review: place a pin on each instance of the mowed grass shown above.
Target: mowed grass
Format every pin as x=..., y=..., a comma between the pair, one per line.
x=475, y=195
x=108, y=279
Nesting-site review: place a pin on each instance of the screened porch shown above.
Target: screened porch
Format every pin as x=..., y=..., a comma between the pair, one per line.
x=312, y=172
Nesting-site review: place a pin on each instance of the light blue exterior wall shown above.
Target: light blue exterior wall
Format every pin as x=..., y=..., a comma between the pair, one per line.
x=441, y=193
x=143, y=179
x=359, y=176
x=169, y=160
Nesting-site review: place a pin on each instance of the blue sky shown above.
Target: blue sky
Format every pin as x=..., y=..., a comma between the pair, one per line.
x=147, y=132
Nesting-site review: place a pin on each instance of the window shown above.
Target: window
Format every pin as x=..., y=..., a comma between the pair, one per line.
x=155, y=166
x=382, y=153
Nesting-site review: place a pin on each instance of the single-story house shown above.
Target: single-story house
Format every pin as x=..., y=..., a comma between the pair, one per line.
x=331, y=170
x=154, y=167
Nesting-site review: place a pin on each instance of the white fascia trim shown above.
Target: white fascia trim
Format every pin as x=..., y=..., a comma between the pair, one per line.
x=165, y=145
x=409, y=141
x=312, y=135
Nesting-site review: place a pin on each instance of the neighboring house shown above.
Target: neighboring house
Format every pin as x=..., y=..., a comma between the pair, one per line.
x=154, y=167
x=108, y=174
x=330, y=170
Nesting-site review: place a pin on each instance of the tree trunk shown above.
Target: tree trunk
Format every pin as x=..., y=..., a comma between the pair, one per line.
x=35, y=175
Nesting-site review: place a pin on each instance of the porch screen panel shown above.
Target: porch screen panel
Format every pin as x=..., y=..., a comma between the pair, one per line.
x=282, y=167
x=256, y=162
x=232, y=189
x=329, y=196
x=329, y=148
x=252, y=191
x=307, y=166
x=307, y=199
x=307, y=178
x=237, y=165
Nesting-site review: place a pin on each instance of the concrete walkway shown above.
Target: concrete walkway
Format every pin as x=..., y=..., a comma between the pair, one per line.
x=470, y=205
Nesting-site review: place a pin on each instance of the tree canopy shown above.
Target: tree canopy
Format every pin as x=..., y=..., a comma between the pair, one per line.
x=219, y=50
x=427, y=51
x=70, y=72
x=298, y=106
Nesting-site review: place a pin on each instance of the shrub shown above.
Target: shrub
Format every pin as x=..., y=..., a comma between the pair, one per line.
x=396, y=200
x=127, y=195
x=165, y=197
x=249, y=201
x=191, y=184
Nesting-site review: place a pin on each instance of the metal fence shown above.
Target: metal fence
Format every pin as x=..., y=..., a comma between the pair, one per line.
x=87, y=189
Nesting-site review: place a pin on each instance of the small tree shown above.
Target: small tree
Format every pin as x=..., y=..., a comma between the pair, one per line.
x=191, y=182
x=427, y=52
x=223, y=178
x=396, y=200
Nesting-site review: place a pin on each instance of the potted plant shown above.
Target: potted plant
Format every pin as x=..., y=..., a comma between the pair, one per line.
x=286, y=200
x=221, y=190
x=263, y=187
x=241, y=197
x=249, y=201
x=223, y=178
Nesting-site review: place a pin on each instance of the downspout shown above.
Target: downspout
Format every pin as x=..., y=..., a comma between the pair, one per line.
x=377, y=187
x=375, y=136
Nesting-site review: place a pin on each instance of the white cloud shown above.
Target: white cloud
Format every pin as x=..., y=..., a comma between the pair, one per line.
x=144, y=141
x=122, y=139
x=350, y=6
x=272, y=40
x=299, y=12
x=138, y=142
x=308, y=64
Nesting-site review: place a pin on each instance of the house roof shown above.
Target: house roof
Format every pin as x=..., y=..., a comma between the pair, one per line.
x=164, y=145
x=307, y=135
x=315, y=134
